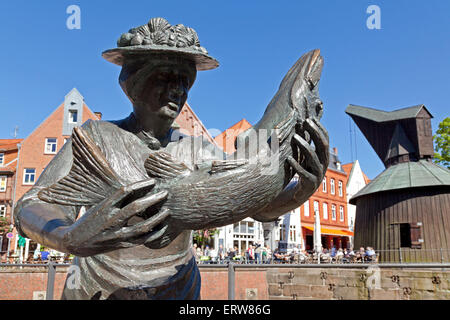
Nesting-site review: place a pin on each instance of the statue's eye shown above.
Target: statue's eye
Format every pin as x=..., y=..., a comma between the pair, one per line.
x=310, y=84
x=319, y=107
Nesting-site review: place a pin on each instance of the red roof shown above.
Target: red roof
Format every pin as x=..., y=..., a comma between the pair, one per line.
x=347, y=168
x=9, y=144
x=226, y=139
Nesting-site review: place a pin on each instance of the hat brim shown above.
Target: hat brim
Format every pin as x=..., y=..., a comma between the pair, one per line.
x=118, y=55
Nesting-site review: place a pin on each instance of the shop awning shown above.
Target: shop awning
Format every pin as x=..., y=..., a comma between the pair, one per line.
x=332, y=232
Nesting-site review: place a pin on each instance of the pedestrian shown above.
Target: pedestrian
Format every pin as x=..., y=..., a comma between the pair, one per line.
x=221, y=254
x=264, y=254
x=258, y=252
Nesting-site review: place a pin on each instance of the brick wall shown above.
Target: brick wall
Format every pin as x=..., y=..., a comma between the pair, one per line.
x=22, y=284
x=273, y=283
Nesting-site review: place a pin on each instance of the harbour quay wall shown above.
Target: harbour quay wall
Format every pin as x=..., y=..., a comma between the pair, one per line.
x=272, y=282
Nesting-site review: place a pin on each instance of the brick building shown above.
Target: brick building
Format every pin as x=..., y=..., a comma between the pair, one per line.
x=39, y=148
x=330, y=200
x=8, y=163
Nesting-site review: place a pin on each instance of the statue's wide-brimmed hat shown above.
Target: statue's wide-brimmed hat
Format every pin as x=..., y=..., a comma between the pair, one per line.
x=159, y=37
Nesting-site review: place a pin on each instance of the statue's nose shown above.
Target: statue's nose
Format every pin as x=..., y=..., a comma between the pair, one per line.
x=176, y=90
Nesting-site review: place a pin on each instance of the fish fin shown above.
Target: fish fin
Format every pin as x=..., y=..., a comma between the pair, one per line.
x=221, y=166
x=90, y=179
x=162, y=165
x=284, y=128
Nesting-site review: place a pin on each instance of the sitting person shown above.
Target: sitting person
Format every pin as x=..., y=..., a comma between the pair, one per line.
x=44, y=255
x=360, y=255
x=370, y=254
x=339, y=256
x=333, y=252
x=277, y=256
x=303, y=256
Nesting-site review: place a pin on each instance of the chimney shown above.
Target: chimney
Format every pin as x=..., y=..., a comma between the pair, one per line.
x=335, y=151
x=99, y=115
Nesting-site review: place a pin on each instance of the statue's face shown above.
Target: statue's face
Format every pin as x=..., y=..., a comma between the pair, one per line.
x=158, y=89
x=165, y=92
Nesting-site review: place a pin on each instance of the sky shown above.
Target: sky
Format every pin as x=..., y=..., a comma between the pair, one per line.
x=404, y=63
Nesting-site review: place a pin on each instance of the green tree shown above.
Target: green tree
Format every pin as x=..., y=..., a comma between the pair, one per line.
x=442, y=143
x=203, y=237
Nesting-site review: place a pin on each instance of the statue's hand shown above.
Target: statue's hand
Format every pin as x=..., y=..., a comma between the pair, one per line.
x=311, y=163
x=104, y=226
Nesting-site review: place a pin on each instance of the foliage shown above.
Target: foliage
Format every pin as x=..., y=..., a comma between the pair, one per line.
x=442, y=143
x=202, y=237
x=4, y=225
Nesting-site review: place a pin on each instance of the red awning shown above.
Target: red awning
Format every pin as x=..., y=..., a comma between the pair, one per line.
x=332, y=232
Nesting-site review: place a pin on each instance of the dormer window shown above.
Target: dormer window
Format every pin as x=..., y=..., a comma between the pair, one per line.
x=2, y=159
x=73, y=116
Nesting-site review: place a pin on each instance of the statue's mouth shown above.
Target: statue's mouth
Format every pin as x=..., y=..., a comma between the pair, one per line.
x=173, y=106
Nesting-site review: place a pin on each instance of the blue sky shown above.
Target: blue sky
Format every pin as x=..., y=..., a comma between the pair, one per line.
x=406, y=62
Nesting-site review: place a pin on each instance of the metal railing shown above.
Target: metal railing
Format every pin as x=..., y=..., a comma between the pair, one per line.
x=400, y=255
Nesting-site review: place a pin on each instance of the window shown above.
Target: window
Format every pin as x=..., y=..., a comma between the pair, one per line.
x=324, y=185
x=3, y=181
x=243, y=228
x=332, y=188
x=316, y=206
x=405, y=235
x=251, y=227
x=340, y=188
x=341, y=213
x=325, y=211
x=306, y=208
x=50, y=145
x=2, y=211
x=282, y=232
x=2, y=159
x=29, y=176
x=292, y=233
x=73, y=116
x=333, y=212
x=411, y=235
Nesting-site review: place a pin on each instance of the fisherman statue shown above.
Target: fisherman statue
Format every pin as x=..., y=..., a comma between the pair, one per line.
x=124, y=196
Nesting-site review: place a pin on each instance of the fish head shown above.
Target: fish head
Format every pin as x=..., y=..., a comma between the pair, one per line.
x=297, y=97
x=297, y=94
x=302, y=85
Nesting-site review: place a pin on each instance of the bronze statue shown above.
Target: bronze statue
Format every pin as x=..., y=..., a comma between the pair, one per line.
x=124, y=196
